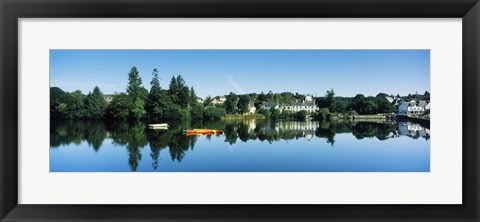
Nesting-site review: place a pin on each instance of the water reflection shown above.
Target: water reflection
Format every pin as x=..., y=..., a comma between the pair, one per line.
x=135, y=136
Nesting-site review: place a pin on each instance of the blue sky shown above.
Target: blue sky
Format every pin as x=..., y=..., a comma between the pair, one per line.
x=218, y=72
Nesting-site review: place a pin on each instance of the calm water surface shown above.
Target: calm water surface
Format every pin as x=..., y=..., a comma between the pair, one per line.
x=246, y=146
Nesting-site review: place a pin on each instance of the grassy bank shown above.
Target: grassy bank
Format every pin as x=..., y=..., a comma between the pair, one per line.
x=358, y=118
x=241, y=116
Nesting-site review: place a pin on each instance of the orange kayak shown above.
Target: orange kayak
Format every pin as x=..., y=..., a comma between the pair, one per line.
x=201, y=132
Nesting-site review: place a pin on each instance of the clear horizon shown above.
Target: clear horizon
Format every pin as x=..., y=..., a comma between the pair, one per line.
x=219, y=72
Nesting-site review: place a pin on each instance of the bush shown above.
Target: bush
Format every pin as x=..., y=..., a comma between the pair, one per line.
x=264, y=112
x=214, y=113
x=323, y=114
x=301, y=115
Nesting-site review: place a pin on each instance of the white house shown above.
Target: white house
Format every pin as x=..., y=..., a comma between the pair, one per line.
x=307, y=106
x=424, y=104
x=308, y=98
x=269, y=105
x=410, y=108
x=219, y=100
x=251, y=107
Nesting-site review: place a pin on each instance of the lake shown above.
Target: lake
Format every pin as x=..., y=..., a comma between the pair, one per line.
x=245, y=146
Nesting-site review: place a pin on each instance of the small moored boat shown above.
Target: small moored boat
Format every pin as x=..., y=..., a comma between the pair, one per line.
x=158, y=126
x=201, y=132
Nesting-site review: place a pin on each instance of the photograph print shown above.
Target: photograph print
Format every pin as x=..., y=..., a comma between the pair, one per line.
x=239, y=110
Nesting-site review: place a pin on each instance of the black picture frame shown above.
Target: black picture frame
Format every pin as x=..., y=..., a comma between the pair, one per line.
x=11, y=11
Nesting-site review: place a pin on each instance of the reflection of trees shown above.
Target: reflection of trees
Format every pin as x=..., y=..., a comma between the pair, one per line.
x=231, y=135
x=242, y=131
x=381, y=131
x=69, y=131
x=326, y=130
x=95, y=135
x=131, y=135
x=158, y=140
x=135, y=135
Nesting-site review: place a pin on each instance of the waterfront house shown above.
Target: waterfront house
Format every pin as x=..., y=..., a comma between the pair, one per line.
x=306, y=106
x=219, y=100
x=424, y=104
x=393, y=100
x=410, y=108
x=308, y=98
x=269, y=105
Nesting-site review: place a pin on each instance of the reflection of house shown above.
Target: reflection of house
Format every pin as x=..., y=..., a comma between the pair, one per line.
x=412, y=129
x=219, y=100
x=410, y=108
x=303, y=125
x=307, y=128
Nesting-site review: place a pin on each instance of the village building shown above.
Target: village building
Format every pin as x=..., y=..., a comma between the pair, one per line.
x=251, y=107
x=269, y=105
x=108, y=97
x=219, y=100
x=424, y=104
x=307, y=105
x=411, y=108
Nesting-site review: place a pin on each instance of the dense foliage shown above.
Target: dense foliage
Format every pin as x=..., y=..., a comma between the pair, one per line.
x=180, y=102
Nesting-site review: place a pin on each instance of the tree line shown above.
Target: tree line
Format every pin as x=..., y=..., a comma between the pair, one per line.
x=180, y=102
x=175, y=103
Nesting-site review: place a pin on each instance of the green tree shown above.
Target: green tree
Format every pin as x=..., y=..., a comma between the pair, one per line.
x=264, y=112
x=137, y=94
x=231, y=103
x=356, y=102
x=367, y=106
x=159, y=104
x=330, y=99
x=119, y=108
x=274, y=113
x=58, y=102
x=178, y=92
x=383, y=106
x=95, y=104
x=242, y=104
x=134, y=83
x=323, y=114
x=196, y=108
x=75, y=104
x=262, y=97
x=138, y=110
x=208, y=101
x=153, y=106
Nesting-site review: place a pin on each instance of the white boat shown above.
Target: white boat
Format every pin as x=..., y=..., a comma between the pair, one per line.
x=158, y=126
